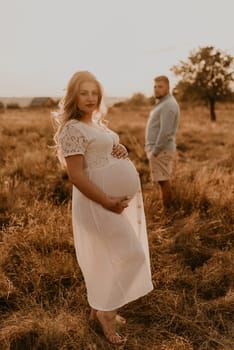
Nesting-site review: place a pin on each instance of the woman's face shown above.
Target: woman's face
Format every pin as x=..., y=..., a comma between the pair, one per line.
x=88, y=97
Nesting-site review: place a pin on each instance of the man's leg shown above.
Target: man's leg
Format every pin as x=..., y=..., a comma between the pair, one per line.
x=166, y=193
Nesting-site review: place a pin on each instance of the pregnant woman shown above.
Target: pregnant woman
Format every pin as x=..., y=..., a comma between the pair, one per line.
x=107, y=209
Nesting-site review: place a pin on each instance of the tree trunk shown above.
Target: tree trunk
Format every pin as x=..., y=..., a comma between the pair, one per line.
x=212, y=110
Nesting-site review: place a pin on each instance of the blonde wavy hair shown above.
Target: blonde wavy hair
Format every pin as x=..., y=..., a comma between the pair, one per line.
x=68, y=108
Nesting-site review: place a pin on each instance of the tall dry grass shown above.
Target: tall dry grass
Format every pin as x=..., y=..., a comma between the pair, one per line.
x=42, y=293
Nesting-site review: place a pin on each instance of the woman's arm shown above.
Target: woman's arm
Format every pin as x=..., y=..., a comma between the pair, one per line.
x=78, y=178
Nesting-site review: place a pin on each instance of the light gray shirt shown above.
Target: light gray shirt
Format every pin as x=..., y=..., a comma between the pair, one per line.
x=162, y=125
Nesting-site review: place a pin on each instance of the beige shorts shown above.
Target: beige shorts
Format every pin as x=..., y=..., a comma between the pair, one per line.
x=161, y=166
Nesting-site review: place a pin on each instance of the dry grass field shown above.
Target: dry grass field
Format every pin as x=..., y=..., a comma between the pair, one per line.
x=42, y=293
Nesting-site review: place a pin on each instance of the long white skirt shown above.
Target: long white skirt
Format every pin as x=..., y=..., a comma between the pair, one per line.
x=112, y=249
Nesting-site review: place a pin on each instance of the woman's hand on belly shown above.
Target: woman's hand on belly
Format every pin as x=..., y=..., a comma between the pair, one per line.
x=117, y=205
x=119, y=151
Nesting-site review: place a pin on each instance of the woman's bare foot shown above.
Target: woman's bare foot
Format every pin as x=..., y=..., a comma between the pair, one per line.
x=119, y=319
x=107, y=320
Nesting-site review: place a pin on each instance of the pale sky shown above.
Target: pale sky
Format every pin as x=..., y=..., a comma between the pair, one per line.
x=125, y=43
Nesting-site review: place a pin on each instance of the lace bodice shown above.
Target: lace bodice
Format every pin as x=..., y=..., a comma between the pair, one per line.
x=95, y=143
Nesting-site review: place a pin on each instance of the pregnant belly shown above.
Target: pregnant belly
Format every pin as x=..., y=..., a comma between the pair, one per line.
x=118, y=179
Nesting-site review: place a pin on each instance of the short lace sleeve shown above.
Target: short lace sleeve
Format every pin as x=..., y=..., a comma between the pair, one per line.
x=72, y=141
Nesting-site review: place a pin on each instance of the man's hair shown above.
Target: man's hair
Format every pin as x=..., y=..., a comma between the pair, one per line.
x=162, y=78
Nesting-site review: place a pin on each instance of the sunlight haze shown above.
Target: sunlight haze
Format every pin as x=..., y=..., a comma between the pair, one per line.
x=124, y=43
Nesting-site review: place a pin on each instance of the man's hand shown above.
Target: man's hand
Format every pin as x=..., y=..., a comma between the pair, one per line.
x=119, y=151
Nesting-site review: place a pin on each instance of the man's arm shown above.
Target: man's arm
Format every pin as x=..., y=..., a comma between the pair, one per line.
x=167, y=128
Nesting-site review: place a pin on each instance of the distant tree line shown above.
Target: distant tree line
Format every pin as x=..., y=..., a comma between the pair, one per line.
x=36, y=102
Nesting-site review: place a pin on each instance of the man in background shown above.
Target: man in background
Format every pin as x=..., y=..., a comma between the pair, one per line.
x=160, y=137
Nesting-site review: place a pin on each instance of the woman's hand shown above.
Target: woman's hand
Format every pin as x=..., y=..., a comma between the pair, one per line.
x=117, y=205
x=119, y=151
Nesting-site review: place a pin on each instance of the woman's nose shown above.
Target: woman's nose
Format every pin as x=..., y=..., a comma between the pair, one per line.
x=90, y=97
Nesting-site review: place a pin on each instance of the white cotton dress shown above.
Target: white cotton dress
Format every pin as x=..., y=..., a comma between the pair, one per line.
x=111, y=249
